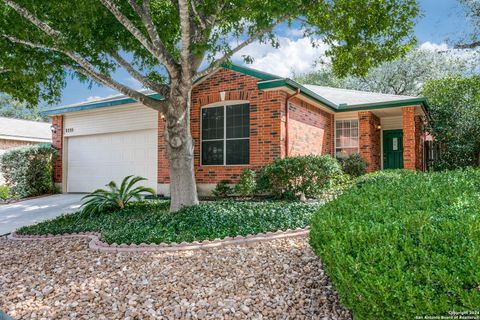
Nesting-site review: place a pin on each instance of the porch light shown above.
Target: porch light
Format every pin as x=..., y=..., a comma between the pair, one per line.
x=53, y=129
x=378, y=126
x=222, y=96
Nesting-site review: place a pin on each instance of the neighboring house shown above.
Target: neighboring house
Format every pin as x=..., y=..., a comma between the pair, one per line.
x=239, y=120
x=17, y=133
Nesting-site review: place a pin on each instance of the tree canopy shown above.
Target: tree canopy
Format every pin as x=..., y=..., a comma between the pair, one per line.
x=403, y=76
x=454, y=119
x=11, y=108
x=44, y=42
x=472, y=10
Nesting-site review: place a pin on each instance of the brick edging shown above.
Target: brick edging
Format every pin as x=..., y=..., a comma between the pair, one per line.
x=97, y=244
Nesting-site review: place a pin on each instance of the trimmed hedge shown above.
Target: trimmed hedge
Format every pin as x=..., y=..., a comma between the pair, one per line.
x=150, y=221
x=28, y=171
x=400, y=245
x=293, y=176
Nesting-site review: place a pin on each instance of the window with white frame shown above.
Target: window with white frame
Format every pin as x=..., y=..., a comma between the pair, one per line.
x=346, y=137
x=225, y=135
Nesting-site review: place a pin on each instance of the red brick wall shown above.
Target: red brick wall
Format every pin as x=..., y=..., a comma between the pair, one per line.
x=162, y=162
x=265, y=124
x=332, y=134
x=419, y=142
x=409, y=138
x=369, y=139
x=57, y=142
x=8, y=144
x=309, y=130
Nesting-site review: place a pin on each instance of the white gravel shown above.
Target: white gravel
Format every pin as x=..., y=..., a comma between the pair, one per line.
x=63, y=279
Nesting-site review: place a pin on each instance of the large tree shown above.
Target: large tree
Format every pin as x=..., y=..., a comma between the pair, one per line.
x=11, y=108
x=403, y=76
x=168, y=44
x=472, y=11
x=454, y=120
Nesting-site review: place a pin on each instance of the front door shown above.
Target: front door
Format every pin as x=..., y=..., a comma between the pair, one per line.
x=392, y=149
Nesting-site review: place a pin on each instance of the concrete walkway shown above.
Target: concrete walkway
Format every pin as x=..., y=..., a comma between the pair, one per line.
x=24, y=213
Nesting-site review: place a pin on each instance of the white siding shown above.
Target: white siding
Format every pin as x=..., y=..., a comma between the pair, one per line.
x=346, y=115
x=390, y=123
x=113, y=119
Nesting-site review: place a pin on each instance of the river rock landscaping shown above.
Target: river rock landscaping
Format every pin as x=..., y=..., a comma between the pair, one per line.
x=63, y=279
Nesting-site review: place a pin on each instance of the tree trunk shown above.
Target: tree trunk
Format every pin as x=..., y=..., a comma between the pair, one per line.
x=179, y=147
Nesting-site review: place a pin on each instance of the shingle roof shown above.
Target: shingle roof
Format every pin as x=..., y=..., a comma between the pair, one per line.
x=336, y=99
x=354, y=97
x=25, y=130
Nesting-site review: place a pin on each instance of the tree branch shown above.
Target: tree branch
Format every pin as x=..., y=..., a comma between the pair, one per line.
x=157, y=50
x=144, y=13
x=161, y=89
x=31, y=44
x=471, y=45
x=185, y=38
x=218, y=63
x=159, y=105
x=200, y=18
x=88, y=70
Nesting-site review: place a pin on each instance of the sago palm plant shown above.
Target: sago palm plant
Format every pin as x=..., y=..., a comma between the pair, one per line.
x=114, y=198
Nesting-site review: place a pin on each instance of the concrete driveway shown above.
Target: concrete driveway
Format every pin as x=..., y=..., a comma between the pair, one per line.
x=24, y=213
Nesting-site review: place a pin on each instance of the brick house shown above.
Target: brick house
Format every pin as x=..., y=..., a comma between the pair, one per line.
x=240, y=118
x=17, y=133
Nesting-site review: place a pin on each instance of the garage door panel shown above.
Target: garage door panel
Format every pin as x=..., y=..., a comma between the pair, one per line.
x=95, y=160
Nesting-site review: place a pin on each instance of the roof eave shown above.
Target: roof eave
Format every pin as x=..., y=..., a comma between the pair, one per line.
x=285, y=82
x=422, y=101
x=97, y=105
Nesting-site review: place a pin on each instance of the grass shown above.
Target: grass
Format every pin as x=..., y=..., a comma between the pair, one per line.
x=150, y=221
x=401, y=244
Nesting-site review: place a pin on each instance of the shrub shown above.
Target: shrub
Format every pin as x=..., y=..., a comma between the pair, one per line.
x=29, y=170
x=4, y=193
x=354, y=165
x=222, y=189
x=383, y=175
x=295, y=176
x=101, y=201
x=403, y=245
x=151, y=222
x=247, y=184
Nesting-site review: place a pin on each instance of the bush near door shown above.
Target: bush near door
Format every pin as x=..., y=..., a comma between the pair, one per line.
x=28, y=171
x=354, y=165
x=404, y=245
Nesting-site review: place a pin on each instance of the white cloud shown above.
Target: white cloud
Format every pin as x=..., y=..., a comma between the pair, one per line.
x=297, y=56
x=295, y=33
x=92, y=98
x=434, y=46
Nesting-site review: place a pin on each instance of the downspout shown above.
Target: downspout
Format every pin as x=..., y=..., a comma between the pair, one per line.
x=287, y=100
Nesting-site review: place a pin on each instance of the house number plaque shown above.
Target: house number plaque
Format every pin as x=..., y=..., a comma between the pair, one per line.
x=395, y=144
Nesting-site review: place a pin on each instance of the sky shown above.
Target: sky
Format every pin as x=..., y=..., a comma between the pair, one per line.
x=441, y=23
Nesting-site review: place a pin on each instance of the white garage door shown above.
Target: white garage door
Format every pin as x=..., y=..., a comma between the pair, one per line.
x=95, y=160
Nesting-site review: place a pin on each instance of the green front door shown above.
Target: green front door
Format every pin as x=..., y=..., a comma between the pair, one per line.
x=392, y=149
